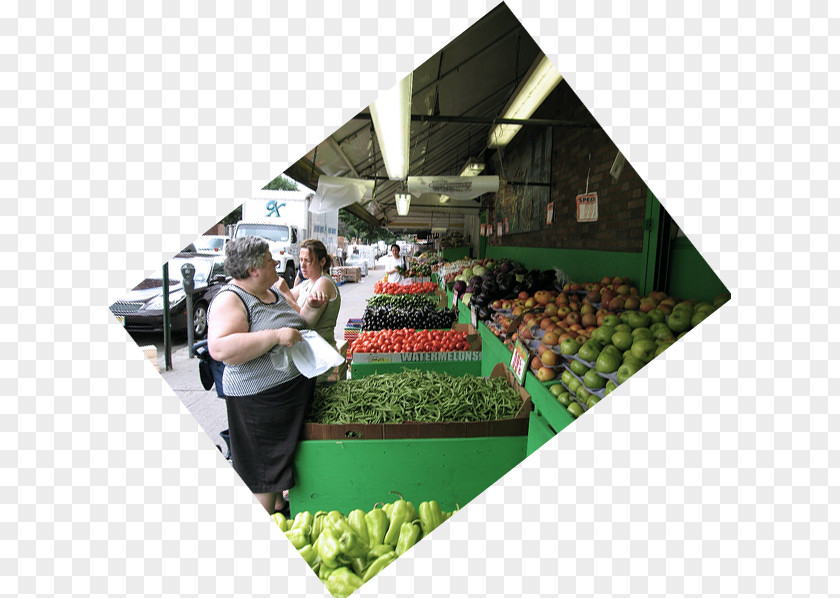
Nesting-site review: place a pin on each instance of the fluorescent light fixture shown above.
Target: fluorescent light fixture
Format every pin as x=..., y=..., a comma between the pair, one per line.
x=391, y=115
x=443, y=198
x=472, y=168
x=403, y=200
x=537, y=83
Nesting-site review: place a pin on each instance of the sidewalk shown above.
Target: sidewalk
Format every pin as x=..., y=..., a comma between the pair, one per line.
x=207, y=408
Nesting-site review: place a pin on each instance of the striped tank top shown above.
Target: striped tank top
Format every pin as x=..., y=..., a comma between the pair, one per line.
x=259, y=374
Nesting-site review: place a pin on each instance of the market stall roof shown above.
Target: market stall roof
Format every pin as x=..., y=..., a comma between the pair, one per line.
x=457, y=96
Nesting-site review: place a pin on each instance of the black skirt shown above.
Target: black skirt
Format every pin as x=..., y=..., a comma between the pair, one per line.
x=264, y=432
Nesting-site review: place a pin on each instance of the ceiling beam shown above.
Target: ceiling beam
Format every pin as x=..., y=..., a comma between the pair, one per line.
x=487, y=120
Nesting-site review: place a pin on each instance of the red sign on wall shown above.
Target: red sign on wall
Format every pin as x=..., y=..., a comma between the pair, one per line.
x=587, y=207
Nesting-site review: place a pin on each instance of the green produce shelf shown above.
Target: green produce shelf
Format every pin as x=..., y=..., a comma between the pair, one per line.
x=539, y=432
x=456, y=368
x=453, y=254
x=493, y=350
x=356, y=474
x=546, y=404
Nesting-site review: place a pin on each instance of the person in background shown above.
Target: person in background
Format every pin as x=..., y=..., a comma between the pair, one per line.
x=315, y=263
x=250, y=325
x=392, y=262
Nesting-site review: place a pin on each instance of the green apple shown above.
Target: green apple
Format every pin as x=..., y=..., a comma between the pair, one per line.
x=721, y=299
x=611, y=386
x=638, y=319
x=569, y=347
x=623, y=328
x=565, y=399
x=643, y=349
x=656, y=315
x=590, y=350
x=591, y=402
x=575, y=409
x=698, y=317
x=556, y=389
x=626, y=355
x=610, y=320
x=661, y=347
x=626, y=370
x=578, y=368
x=622, y=339
x=566, y=377
x=608, y=360
x=582, y=394
x=574, y=385
x=592, y=380
x=664, y=334
x=642, y=333
x=679, y=321
x=602, y=334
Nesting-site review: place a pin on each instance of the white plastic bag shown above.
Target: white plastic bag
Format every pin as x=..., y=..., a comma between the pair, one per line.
x=314, y=356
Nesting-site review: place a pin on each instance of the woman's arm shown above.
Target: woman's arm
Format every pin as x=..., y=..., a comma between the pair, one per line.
x=322, y=291
x=229, y=339
x=291, y=295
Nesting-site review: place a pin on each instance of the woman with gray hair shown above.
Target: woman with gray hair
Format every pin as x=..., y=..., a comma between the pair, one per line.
x=250, y=324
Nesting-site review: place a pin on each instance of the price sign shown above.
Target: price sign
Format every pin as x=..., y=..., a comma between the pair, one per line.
x=473, y=317
x=519, y=361
x=499, y=229
x=587, y=207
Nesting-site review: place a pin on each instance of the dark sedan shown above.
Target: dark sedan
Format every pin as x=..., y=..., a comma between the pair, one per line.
x=141, y=310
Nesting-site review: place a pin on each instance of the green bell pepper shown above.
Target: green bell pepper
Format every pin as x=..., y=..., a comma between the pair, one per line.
x=328, y=548
x=342, y=582
x=409, y=534
x=356, y=519
x=317, y=524
x=377, y=526
x=379, y=564
x=303, y=520
x=281, y=521
x=298, y=537
x=430, y=516
x=310, y=555
x=351, y=545
x=400, y=514
x=377, y=551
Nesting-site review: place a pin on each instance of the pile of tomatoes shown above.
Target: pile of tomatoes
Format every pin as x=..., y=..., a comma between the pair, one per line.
x=412, y=288
x=409, y=340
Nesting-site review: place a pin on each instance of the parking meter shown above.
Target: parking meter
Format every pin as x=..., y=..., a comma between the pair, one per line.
x=188, y=276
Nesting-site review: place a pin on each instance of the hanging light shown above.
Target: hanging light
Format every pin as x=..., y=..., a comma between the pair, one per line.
x=538, y=82
x=391, y=115
x=403, y=200
x=472, y=168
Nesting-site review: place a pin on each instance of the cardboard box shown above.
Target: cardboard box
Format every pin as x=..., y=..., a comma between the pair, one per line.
x=515, y=426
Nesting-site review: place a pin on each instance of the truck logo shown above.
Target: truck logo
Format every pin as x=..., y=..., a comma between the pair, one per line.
x=273, y=208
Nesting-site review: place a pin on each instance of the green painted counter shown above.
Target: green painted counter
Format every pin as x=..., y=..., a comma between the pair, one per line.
x=546, y=405
x=539, y=432
x=350, y=474
x=493, y=351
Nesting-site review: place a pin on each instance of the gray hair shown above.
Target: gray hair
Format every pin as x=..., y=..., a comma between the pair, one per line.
x=244, y=253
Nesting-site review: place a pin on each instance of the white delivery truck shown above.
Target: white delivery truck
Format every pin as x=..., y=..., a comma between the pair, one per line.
x=283, y=219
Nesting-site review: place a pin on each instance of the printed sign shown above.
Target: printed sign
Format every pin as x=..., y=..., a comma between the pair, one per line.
x=499, y=229
x=587, y=207
x=519, y=361
x=473, y=317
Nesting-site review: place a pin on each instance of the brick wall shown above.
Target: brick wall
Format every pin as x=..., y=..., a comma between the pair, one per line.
x=621, y=204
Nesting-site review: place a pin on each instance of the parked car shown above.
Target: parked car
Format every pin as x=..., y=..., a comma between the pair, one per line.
x=141, y=310
x=208, y=244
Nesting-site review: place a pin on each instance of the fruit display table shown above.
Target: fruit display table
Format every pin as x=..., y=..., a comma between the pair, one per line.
x=548, y=417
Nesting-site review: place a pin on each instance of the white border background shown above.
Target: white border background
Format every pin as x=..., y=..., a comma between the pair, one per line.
x=126, y=131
